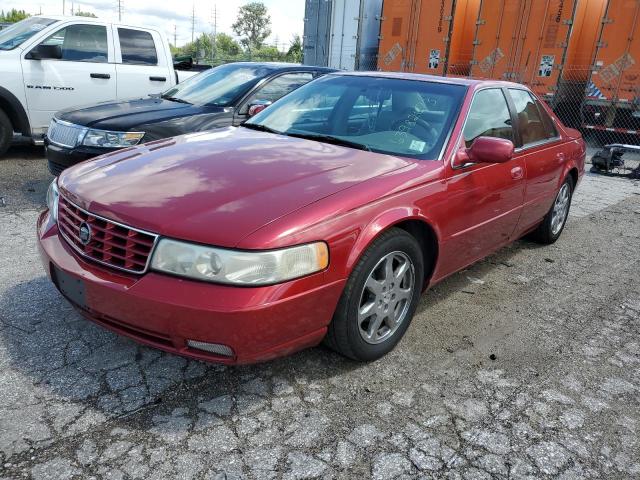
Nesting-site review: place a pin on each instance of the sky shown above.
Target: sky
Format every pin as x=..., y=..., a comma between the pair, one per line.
x=286, y=15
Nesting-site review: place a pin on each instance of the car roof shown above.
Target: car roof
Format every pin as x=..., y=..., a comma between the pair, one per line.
x=286, y=66
x=469, y=82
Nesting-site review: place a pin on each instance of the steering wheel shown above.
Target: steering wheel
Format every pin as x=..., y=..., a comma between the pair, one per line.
x=411, y=117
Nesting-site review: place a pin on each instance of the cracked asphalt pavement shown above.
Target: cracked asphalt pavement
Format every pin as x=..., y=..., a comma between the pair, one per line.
x=526, y=365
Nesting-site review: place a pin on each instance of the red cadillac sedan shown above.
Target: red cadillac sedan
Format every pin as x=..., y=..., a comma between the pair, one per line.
x=323, y=218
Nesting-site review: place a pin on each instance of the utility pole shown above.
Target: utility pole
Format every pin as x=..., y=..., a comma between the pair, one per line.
x=63, y=7
x=175, y=35
x=214, y=24
x=193, y=21
x=120, y=8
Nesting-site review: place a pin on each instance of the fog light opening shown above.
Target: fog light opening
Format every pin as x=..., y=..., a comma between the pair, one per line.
x=215, y=348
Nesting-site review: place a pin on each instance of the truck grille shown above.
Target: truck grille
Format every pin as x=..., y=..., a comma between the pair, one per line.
x=108, y=242
x=64, y=134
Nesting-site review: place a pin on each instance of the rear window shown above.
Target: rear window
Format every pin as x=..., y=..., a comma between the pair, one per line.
x=137, y=47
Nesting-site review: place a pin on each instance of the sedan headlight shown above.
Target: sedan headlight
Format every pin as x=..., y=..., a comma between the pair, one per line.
x=106, y=139
x=239, y=267
x=52, y=199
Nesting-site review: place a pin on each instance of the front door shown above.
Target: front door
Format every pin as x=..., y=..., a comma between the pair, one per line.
x=484, y=201
x=85, y=74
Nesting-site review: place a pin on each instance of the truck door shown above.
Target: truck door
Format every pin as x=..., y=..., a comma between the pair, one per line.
x=84, y=74
x=141, y=63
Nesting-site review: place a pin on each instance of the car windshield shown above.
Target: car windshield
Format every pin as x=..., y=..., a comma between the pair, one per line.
x=397, y=116
x=219, y=86
x=15, y=35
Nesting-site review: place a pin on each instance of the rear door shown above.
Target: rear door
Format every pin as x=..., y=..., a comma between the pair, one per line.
x=541, y=148
x=85, y=74
x=141, y=63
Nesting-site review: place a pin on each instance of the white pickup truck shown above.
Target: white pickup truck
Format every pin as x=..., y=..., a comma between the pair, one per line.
x=50, y=63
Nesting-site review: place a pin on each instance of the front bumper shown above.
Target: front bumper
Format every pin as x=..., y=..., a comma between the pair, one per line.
x=258, y=324
x=60, y=158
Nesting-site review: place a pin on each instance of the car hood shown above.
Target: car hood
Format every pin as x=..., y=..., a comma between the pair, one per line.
x=217, y=187
x=127, y=115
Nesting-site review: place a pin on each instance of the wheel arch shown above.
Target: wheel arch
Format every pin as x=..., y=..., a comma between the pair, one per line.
x=10, y=104
x=410, y=220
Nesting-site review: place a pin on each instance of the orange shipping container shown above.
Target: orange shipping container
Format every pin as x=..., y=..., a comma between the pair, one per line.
x=427, y=36
x=535, y=41
x=616, y=76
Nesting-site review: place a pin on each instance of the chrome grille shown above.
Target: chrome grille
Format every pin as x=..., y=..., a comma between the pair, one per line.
x=109, y=243
x=64, y=134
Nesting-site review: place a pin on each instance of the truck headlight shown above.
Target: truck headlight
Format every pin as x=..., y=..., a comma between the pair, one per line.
x=238, y=267
x=106, y=139
x=52, y=199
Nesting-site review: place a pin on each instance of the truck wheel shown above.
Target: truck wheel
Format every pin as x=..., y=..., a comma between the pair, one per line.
x=6, y=133
x=379, y=299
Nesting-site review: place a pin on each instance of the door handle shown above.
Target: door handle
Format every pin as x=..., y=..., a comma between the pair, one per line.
x=517, y=173
x=106, y=76
x=158, y=79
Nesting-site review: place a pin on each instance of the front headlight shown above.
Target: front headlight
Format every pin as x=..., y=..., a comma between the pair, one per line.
x=238, y=267
x=52, y=199
x=103, y=138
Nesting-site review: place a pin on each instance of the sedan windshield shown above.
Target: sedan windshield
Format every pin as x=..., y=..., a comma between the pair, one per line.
x=15, y=35
x=219, y=86
x=401, y=117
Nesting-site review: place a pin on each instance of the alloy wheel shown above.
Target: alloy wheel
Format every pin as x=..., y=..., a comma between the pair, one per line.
x=560, y=209
x=386, y=297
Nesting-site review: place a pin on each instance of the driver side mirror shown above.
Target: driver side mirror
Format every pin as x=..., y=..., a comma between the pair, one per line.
x=45, y=52
x=484, y=150
x=257, y=107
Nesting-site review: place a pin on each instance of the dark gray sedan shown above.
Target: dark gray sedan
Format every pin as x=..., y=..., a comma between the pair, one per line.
x=220, y=97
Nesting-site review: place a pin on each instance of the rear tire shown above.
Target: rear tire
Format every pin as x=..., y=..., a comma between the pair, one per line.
x=556, y=218
x=379, y=299
x=6, y=133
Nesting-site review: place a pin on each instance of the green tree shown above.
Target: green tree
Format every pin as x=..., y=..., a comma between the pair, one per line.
x=294, y=54
x=268, y=53
x=13, y=16
x=80, y=13
x=226, y=46
x=253, y=25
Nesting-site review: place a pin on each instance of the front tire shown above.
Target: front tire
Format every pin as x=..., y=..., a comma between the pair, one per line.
x=6, y=133
x=379, y=299
x=556, y=218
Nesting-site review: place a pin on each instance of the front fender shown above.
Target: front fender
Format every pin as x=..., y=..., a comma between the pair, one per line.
x=382, y=222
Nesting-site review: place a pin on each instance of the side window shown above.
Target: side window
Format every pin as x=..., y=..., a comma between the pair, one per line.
x=549, y=128
x=81, y=43
x=137, y=47
x=488, y=117
x=279, y=87
x=530, y=124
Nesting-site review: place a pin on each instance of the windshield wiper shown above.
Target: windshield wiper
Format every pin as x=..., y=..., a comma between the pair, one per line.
x=329, y=139
x=260, y=128
x=175, y=99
